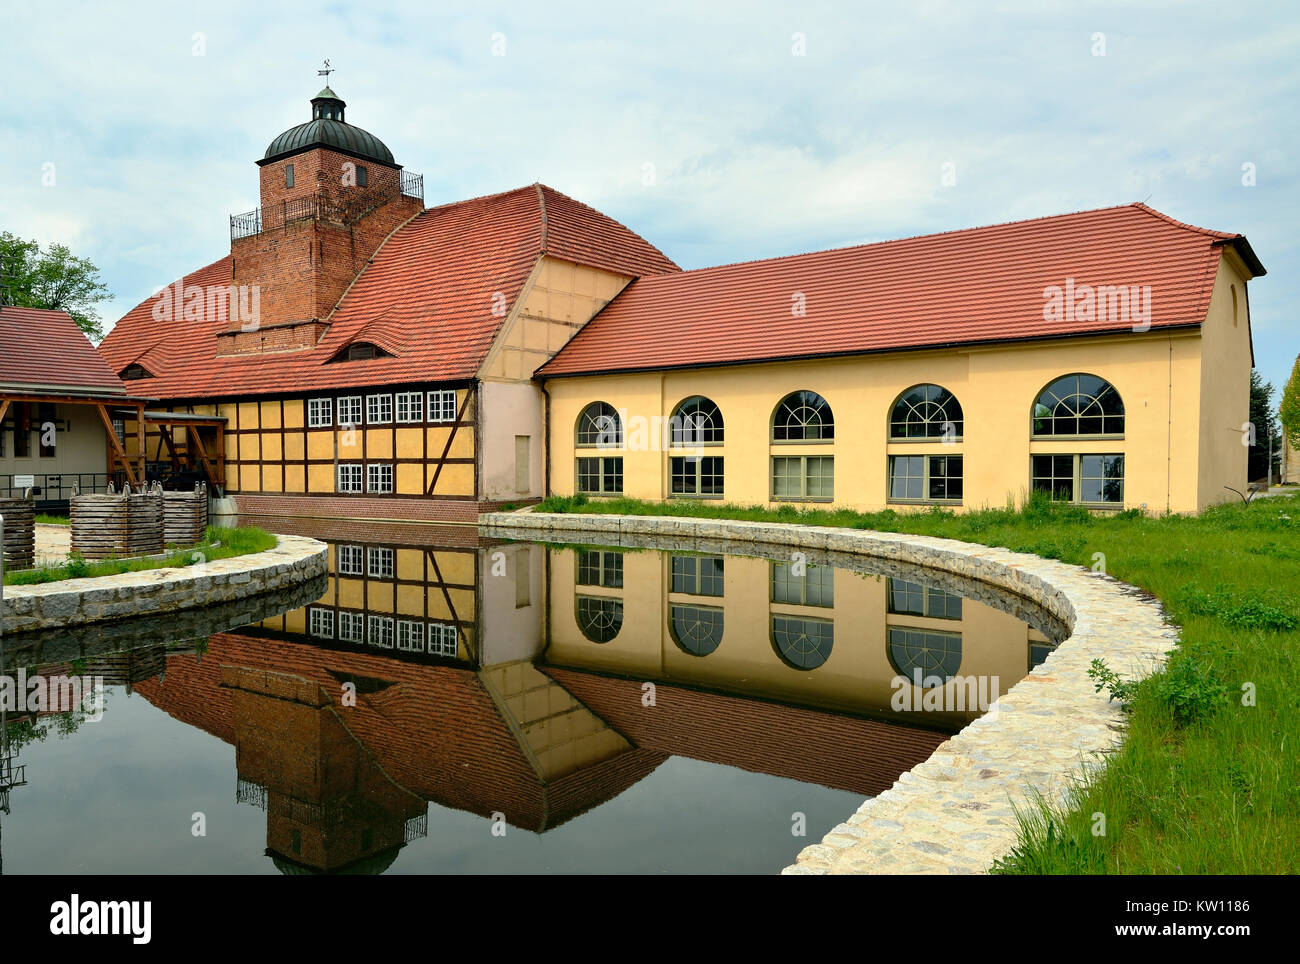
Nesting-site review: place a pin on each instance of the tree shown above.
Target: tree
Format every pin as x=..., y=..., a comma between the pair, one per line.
x=54, y=278
x=1289, y=410
x=1266, y=428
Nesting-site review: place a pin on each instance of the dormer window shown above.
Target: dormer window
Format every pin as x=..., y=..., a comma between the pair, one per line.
x=360, y=351
x=133, y=371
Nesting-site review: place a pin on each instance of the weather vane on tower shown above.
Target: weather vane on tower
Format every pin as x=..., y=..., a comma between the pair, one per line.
x=326, y=72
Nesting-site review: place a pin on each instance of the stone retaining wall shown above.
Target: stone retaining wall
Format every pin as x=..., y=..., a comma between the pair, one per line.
x=954, y=813
x=75, y=602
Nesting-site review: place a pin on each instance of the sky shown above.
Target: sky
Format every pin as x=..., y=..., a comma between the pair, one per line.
x=721, y=132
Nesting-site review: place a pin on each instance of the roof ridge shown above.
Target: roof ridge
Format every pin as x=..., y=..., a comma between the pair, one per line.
x=919, y=237
x=480, y=197
x=1217, y=235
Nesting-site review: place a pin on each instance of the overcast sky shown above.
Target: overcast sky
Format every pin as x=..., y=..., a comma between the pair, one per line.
x=153, y=119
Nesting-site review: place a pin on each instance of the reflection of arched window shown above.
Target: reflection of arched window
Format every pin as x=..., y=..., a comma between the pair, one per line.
x=802, y=643
x=1079, y=405
x=599, y=617
x=600, y=426
x=803, y=417
x=695, y=629
x=935, y=655
x=697, y=421
x=926, y=411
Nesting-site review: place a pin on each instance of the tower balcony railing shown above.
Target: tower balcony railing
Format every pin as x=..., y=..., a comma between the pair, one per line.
x=322, y=206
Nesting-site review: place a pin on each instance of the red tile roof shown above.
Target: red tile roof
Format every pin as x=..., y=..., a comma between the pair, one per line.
x=962, y=287
x=45, y=351
x=427, y=297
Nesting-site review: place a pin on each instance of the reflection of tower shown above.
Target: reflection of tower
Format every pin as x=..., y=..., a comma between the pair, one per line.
x=329, y=805
x=12, y=773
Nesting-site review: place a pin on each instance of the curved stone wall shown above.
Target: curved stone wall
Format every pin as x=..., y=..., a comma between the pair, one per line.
x=954, y=813
x=76, y=602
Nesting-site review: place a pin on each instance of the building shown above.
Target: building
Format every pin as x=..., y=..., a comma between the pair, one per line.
x=1103, y=357
x=371, y=358
x=63, y=411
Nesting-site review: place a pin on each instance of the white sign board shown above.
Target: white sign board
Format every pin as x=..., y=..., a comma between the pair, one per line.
x=24, y=481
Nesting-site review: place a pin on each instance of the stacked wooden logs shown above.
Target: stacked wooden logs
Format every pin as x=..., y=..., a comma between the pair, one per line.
x=20, y=533
x=117, y=524
x=185, y=517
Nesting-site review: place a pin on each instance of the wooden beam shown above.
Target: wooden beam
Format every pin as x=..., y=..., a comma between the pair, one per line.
x=143, y=455
x=4, y=408
x=451, y=436
x=115, y=444
x=203, y=455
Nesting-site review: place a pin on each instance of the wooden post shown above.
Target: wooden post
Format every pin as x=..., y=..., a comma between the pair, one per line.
x=141, y=454
x=115, y=444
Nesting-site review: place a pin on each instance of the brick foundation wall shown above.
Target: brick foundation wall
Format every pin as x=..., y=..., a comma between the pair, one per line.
x=341, y=507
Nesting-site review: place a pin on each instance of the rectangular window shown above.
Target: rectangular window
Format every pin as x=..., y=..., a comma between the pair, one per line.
x=22, y=419
x=380, y=562
x=523, y=463
x=410, y=636
x=925, y=478
x=814, y=586
x=1085, y=479
x=363, y=178
x=803, y=477
x=599, y=568
x=47, y=430
x=442, y=405
x=601, y=476
x=320, y=622
x=351, y=627
x=349, y=561
x=697, y=575
x=697, y=476
x=320, y=412
x=410, y=406
x=349, y=478
x=349, y=411
x=914, y=599
x=380, y=632
x=379, y=478
x=379, y=409
x=288, y=175
x=442, y=639
x=119, y=429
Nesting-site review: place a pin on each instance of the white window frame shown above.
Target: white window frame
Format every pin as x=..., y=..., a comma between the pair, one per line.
x=352, y=626
x=374, y=410
x=443, y=640
x=379, y=631
x=438, y=400
x=320, y=622
x=381, y=562
x=350, y=470
x=408, y=407
x=379, y=478
x=356, y=556
x=349, y=405
x=410, y=636
x=320, y=413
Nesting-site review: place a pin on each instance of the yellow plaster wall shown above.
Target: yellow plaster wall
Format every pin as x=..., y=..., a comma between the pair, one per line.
x=1225, y=386
x=1157, y=375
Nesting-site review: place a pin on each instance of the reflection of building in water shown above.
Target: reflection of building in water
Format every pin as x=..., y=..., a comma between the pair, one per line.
x=791, y=631
x=510, y=679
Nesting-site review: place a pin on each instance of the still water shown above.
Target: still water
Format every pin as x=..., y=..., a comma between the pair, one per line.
x=444, y=703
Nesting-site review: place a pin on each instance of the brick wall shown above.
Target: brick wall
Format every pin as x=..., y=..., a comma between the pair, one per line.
x=341, y=507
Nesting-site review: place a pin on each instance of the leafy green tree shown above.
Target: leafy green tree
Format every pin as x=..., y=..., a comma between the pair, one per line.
x=1266, y=428
x=54, y=278
x=1289, y=410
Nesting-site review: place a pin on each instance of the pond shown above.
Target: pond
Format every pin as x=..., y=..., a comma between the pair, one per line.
x=446, y=703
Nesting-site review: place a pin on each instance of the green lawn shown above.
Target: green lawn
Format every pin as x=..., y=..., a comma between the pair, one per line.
x=218, y=543
x=1208, y=779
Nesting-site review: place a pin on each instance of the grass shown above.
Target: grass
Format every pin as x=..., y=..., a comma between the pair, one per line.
x=1208, y=778
x=52, y=520
x=218, y=543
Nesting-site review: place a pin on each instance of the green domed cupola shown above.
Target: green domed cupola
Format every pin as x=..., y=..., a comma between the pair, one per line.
x=328, y=129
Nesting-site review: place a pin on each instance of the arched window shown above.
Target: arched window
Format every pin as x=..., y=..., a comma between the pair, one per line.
x=599, y=617
x=935, y=656
x=696, y=630
x=697, y=421
x=599, y=426
x=802, y=642
x=803, y=417
x=926, y=411
x=1079, y=405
